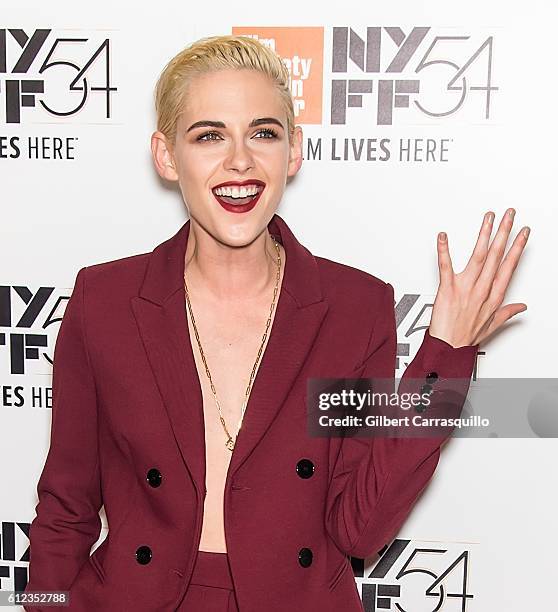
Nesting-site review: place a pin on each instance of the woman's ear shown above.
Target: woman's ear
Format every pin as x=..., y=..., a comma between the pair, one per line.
x=163, y=156
x=295, y=155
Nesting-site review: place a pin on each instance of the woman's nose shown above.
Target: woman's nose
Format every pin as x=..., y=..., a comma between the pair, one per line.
x=240, y=157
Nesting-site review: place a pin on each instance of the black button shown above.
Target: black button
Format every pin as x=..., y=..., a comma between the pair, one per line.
x=432, y=377
x=420, y=407
x=154, y=477
x=305, y=557
x=305, y=468
x=143, y=555
x=426, y=389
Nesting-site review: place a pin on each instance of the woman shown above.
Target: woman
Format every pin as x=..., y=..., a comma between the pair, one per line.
x=213, y=503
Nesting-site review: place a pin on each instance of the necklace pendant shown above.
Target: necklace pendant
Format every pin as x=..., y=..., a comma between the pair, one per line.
x=230, y=444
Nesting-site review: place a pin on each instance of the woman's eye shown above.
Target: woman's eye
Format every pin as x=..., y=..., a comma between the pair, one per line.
x=271, y=133
x=203, y=136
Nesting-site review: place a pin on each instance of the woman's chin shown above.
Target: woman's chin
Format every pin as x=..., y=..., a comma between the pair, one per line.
x=240, y=232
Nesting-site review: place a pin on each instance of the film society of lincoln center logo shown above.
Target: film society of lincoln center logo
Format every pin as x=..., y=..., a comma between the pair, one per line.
x=47, y=76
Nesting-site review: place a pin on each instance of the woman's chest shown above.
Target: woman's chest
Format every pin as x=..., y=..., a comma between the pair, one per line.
x=227, y=349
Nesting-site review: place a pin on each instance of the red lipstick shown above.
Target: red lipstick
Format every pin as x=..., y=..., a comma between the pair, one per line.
x=239, y=208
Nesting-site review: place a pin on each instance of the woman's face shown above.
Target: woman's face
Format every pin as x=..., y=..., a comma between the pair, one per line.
x=247, y=142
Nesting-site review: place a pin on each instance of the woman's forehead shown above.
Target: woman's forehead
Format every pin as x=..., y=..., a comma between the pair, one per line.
x=234, y=97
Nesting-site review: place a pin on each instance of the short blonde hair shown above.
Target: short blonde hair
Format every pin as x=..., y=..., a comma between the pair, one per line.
x=210, y=54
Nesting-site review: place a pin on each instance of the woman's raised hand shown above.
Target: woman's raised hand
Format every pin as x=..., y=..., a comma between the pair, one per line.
x=467, y=308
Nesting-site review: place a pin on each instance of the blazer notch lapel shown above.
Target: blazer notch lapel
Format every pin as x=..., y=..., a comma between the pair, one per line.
x=164, y=335
x=292, y=337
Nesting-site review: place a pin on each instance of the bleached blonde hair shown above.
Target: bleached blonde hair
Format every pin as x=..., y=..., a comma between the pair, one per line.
x=210, y=54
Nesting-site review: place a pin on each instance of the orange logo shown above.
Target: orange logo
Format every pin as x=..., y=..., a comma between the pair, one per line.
x=302, y=51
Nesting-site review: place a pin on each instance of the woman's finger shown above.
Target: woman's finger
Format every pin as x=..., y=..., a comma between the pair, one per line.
x=495, y=255
x=480, y=251
x=503, y=314
x=509, y=264
x=445, y=267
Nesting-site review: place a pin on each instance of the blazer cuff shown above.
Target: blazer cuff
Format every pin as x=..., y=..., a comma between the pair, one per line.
x=454, y=362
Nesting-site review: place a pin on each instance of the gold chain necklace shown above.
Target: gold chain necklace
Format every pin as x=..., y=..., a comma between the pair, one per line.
x=230, y=441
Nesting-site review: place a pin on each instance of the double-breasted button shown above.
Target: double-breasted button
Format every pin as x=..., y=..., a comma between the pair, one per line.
x=426, y=388
x=305, y=557
x=154, y=477
x=143, y=555
x=432, y=377
x=305, y=468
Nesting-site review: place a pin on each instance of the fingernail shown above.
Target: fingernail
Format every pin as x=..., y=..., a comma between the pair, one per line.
x=442, y=236
x=511, y=212
x=489, y=217
x=526, y=232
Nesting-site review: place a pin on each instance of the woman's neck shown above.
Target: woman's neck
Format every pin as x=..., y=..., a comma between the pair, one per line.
x=220, y=272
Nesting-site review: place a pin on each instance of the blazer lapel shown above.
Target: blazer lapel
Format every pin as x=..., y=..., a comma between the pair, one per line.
x=160, y=313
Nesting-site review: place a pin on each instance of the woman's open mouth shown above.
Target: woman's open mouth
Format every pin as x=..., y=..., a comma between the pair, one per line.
x=238, y=197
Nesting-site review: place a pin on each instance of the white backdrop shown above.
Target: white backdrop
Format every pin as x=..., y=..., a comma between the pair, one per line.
x=100, y=199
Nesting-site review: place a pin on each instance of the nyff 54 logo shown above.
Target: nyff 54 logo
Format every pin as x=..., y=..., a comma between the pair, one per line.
x=56, y=76
x=29, y=323
x=431, y=71
x=414, y=576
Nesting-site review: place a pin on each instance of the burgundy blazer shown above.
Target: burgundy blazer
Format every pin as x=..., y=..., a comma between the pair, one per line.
x=128, y=432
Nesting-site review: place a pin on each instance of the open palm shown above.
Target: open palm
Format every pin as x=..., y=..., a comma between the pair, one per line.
x=468, y=305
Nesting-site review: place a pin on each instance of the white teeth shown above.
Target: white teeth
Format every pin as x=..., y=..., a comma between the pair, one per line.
x=236, y=192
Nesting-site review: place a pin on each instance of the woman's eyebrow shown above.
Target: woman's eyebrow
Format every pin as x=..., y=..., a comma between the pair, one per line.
x=220, y=124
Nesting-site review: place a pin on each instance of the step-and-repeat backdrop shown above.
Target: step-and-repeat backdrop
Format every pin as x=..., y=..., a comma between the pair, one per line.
x=418, y=117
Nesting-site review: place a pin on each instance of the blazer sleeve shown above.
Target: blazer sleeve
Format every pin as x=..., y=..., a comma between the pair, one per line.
x=376, y=480
x=67, y=521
